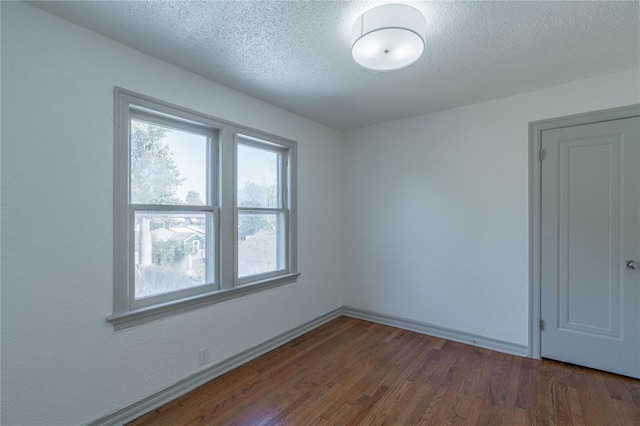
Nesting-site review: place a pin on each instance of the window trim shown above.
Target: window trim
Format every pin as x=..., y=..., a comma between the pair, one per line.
x=222, y=203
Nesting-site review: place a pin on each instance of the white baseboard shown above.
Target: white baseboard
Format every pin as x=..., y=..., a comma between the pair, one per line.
x=438, y=331
x=168, y=394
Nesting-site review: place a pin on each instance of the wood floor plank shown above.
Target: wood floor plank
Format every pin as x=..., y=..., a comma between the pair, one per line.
x=414, y=401
x=354, y=372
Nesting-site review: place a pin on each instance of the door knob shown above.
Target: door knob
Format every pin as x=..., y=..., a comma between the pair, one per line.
x=633, y=265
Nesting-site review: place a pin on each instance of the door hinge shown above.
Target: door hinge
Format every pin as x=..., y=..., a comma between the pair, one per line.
x=541, y=154
x=542, y=325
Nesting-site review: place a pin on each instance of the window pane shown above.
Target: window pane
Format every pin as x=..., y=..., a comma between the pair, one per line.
x=171, y=252
x=168, y=166
x=258, y=184
x=260, y=243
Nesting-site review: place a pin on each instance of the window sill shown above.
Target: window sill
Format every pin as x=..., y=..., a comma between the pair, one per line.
x=124, y=320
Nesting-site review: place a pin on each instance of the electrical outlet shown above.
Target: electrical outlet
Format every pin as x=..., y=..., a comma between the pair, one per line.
x=204, y=356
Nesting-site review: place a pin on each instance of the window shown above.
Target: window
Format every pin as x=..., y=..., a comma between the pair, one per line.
x=261, y=209
x=204, y=210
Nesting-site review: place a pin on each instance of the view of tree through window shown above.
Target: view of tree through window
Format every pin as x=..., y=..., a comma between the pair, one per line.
x=181, y=239
x=259, y=217
x=168, y=167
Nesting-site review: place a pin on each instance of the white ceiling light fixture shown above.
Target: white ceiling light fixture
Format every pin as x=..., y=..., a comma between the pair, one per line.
x=388, y=37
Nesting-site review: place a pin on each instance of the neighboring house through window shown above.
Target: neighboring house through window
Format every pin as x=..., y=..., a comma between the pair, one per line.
x=204, y=210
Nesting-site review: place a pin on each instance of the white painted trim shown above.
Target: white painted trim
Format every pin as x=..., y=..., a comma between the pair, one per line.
x=437, y=331
x=143, y=315
x=129, y=311
x=535, y=144
x=168, y=394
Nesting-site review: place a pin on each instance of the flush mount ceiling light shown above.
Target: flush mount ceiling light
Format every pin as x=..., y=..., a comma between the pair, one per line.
x=388, y=37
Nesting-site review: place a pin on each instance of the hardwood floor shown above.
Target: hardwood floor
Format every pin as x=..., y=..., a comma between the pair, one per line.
x=350, y=371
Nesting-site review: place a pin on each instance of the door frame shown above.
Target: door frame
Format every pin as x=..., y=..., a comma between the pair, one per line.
x=535, y=193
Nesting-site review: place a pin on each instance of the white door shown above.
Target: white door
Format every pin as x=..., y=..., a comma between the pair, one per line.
x=590, y=241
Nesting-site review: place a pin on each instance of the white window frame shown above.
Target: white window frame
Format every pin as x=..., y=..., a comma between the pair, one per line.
x=210, y=208
x=282, y=208
x=221, y=205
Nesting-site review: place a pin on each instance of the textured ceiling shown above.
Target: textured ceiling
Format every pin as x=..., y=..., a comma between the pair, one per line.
x=296, y=54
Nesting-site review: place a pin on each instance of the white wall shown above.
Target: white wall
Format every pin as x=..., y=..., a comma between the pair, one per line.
x=61, y=361
x=436, y=223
